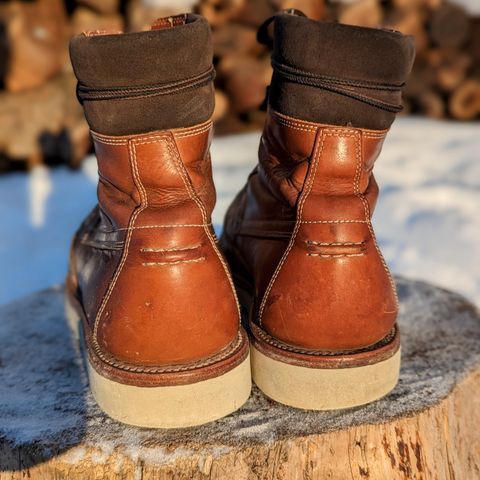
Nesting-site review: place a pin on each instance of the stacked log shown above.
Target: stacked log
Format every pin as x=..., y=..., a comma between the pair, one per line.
x=40, y=119
x=445, y=82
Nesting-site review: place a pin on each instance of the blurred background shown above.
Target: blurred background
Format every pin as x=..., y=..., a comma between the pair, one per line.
x=427, y=218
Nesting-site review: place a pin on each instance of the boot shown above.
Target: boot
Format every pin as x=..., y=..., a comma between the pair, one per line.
x=321, y=302
x=147, y=280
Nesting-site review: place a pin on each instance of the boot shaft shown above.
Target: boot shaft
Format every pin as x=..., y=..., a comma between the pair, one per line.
x=338, y=74
x=145, y=261
x=300, y=234
x=138, y=82
x=331, y=264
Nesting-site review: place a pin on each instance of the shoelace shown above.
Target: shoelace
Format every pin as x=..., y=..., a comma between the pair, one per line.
x=85, y=92
x=340, y=85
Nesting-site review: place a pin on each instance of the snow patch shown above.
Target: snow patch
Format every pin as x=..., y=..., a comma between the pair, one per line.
x=426, y=218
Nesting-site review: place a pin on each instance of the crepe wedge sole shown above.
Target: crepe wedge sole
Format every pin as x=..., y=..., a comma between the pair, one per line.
x=167, y=406
x=322, y=387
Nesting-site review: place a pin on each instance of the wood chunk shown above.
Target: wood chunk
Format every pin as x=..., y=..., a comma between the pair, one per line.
x=141, y=14
x=245, y=81
x=365, y=13
x=427, y=428
x=221, y=105
x=452, y=68
x=431, y=104
x=314, y=9
x=449, y=26
x=105, y=7
x=37, y=42
x=235, y=39
x=86, y=20
x=219, y=12
x=410, y=22
x=464, y=104
x=44, y=121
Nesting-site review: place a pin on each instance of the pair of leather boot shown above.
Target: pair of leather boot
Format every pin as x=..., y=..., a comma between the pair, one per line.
x=160, y=298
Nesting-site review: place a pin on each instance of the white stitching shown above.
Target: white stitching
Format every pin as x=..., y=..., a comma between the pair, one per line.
x=172, y=225
x=326, y=255
x=303, y=198
x=333, y=221
x=176, y=262
x=310, y=126
x=335, y=244
x=366, y=208
x=191, y=191
x=182, y=368
x=136, y=213
x=161, y=250
x=191, y=131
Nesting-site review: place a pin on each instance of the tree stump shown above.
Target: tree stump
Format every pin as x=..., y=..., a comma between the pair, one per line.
x=427, y=428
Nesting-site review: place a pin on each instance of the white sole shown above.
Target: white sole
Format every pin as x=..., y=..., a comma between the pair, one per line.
x=174, y=406
x=323, y=388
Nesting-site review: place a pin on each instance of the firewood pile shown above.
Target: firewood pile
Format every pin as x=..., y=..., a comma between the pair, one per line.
x=445, y=82
x=41, y=122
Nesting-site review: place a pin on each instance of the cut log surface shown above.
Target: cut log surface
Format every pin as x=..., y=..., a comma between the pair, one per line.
x=427, y=428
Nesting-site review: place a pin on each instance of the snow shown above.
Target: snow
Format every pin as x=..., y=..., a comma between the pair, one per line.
x=426, y=219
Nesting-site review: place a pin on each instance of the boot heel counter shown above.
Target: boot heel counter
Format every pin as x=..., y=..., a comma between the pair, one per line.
x=171, y=299
x=165, y=292
x=332, y=289
x=330, y=295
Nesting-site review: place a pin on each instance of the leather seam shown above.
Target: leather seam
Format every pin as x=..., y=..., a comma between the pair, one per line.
x=136, y=213
x=172, y=225
x=311, y=126
x=333, y=221
x=112, y=140
x=366, y=208
x=176, y=262
x=335, y=244
x=193, y=133
x=334, y=255
x=303, y=198
x=161, y=250
x=196, y=199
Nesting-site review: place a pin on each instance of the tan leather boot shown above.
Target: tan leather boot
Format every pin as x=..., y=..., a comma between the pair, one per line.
x=157, y=304
x=321, y=302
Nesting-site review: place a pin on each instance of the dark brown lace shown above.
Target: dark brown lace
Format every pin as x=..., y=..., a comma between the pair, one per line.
x=341, y=85
x=85, y=92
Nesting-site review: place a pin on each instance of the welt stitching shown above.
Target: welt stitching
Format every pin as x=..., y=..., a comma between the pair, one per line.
x=272, y=341
x=303, y=199
x=176, y=262
x=194, y=197
x=136, y=213
x=175, y=369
